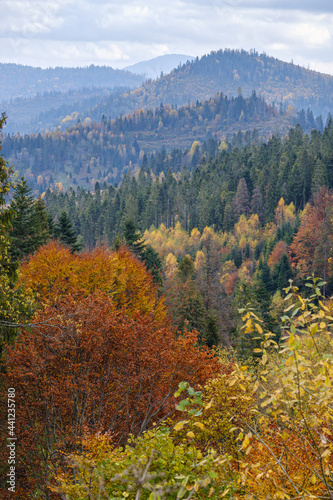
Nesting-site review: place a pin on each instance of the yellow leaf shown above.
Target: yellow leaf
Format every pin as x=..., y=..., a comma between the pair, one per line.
x=211, y=491
x=200, y=425
x=327, y=382
x=313, y=479
x=190, y=434
x=225, y=493
x=322, y=325
x=246, y=442
x=209, y=405
x=180, y=425
x=326, y=453
x=258, y=327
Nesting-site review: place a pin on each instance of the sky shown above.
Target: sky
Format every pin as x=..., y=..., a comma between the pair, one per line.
x=118, y=33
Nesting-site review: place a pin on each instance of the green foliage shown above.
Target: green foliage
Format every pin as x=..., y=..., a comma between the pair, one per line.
x=144, y=252
x=30, y=227
x=133, y=238
x=186, y=268
x=151, y=467
x=15, y=304
x=67, y=233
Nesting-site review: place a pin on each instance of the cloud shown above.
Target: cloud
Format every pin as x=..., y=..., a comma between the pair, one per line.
x=81, y=32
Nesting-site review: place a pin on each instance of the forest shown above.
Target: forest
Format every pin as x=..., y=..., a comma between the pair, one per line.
x=37, y=100
x=171, y=337
x=177, y=137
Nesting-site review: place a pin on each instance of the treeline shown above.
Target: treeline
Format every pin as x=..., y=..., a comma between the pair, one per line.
x=106, y=148
x=284, y=84
x=18, y=80
x=226, y=70
x=247, y=179
x=103, y=151
x=114, y=392
x=54, y=109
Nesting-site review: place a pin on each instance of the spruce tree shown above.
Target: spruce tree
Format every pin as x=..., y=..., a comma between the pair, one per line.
x=144, y=252
x=29, y=226
x=283, y=272
x=15, y=306
x=211, y=336
x=133, y=238
x=67, y=233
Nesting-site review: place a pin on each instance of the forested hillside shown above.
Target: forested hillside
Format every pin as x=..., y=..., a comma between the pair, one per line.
x=37, y=99
x=226, y=71
x=190, y=359
x=26, y=81
x=165, y=137
x=247, y=178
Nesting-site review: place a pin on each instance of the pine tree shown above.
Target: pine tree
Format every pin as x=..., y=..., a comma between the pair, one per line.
x=211, y=336
x=67, y=233
x=15, y=306
x=242, y=198
x=29, y=226
x=284, y=273
x=153, y=263
x=144, y=252
x=133, y=238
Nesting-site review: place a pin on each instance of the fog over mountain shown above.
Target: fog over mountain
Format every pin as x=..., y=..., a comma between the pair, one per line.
x=161, y=64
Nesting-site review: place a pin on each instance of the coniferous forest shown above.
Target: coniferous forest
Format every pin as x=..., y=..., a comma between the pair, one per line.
x=166, y=312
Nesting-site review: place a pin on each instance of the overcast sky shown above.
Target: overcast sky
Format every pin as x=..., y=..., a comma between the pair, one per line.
x=122, y=32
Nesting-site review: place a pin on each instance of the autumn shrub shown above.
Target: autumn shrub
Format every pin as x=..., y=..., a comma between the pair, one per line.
x=152, y=466
x=287, y=449
x=84, y=365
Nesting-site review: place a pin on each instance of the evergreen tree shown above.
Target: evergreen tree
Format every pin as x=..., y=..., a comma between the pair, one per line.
x=242, y=198
x=186, y=268
x=29, y=226
x=15, y=306
x=191, y=309
x=153, y=263
x=146, y=253
x=67, y=233
x=283, y=273
x=133, y=238
x=211, y=335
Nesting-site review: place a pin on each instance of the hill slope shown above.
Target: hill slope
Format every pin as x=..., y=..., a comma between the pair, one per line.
x=106, y=150
x=223, y=71
x=25, y=81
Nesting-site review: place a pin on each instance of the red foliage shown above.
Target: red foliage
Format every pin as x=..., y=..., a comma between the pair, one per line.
x=276, y=254
x=309, y=251
x=85, y=367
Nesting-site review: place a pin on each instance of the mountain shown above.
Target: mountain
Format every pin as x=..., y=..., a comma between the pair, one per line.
x=162, y=64
x=26, y=81
x=56, y=93
x=228, y=71
x=107, y=150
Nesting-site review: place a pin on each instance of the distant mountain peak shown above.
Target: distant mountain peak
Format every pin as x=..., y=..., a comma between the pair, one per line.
x=154, y=67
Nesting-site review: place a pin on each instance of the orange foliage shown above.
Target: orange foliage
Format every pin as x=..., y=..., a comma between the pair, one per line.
x=85, y=367
x=54, y=272
x=282, y=460
x=276, y=254
x=310, y=249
